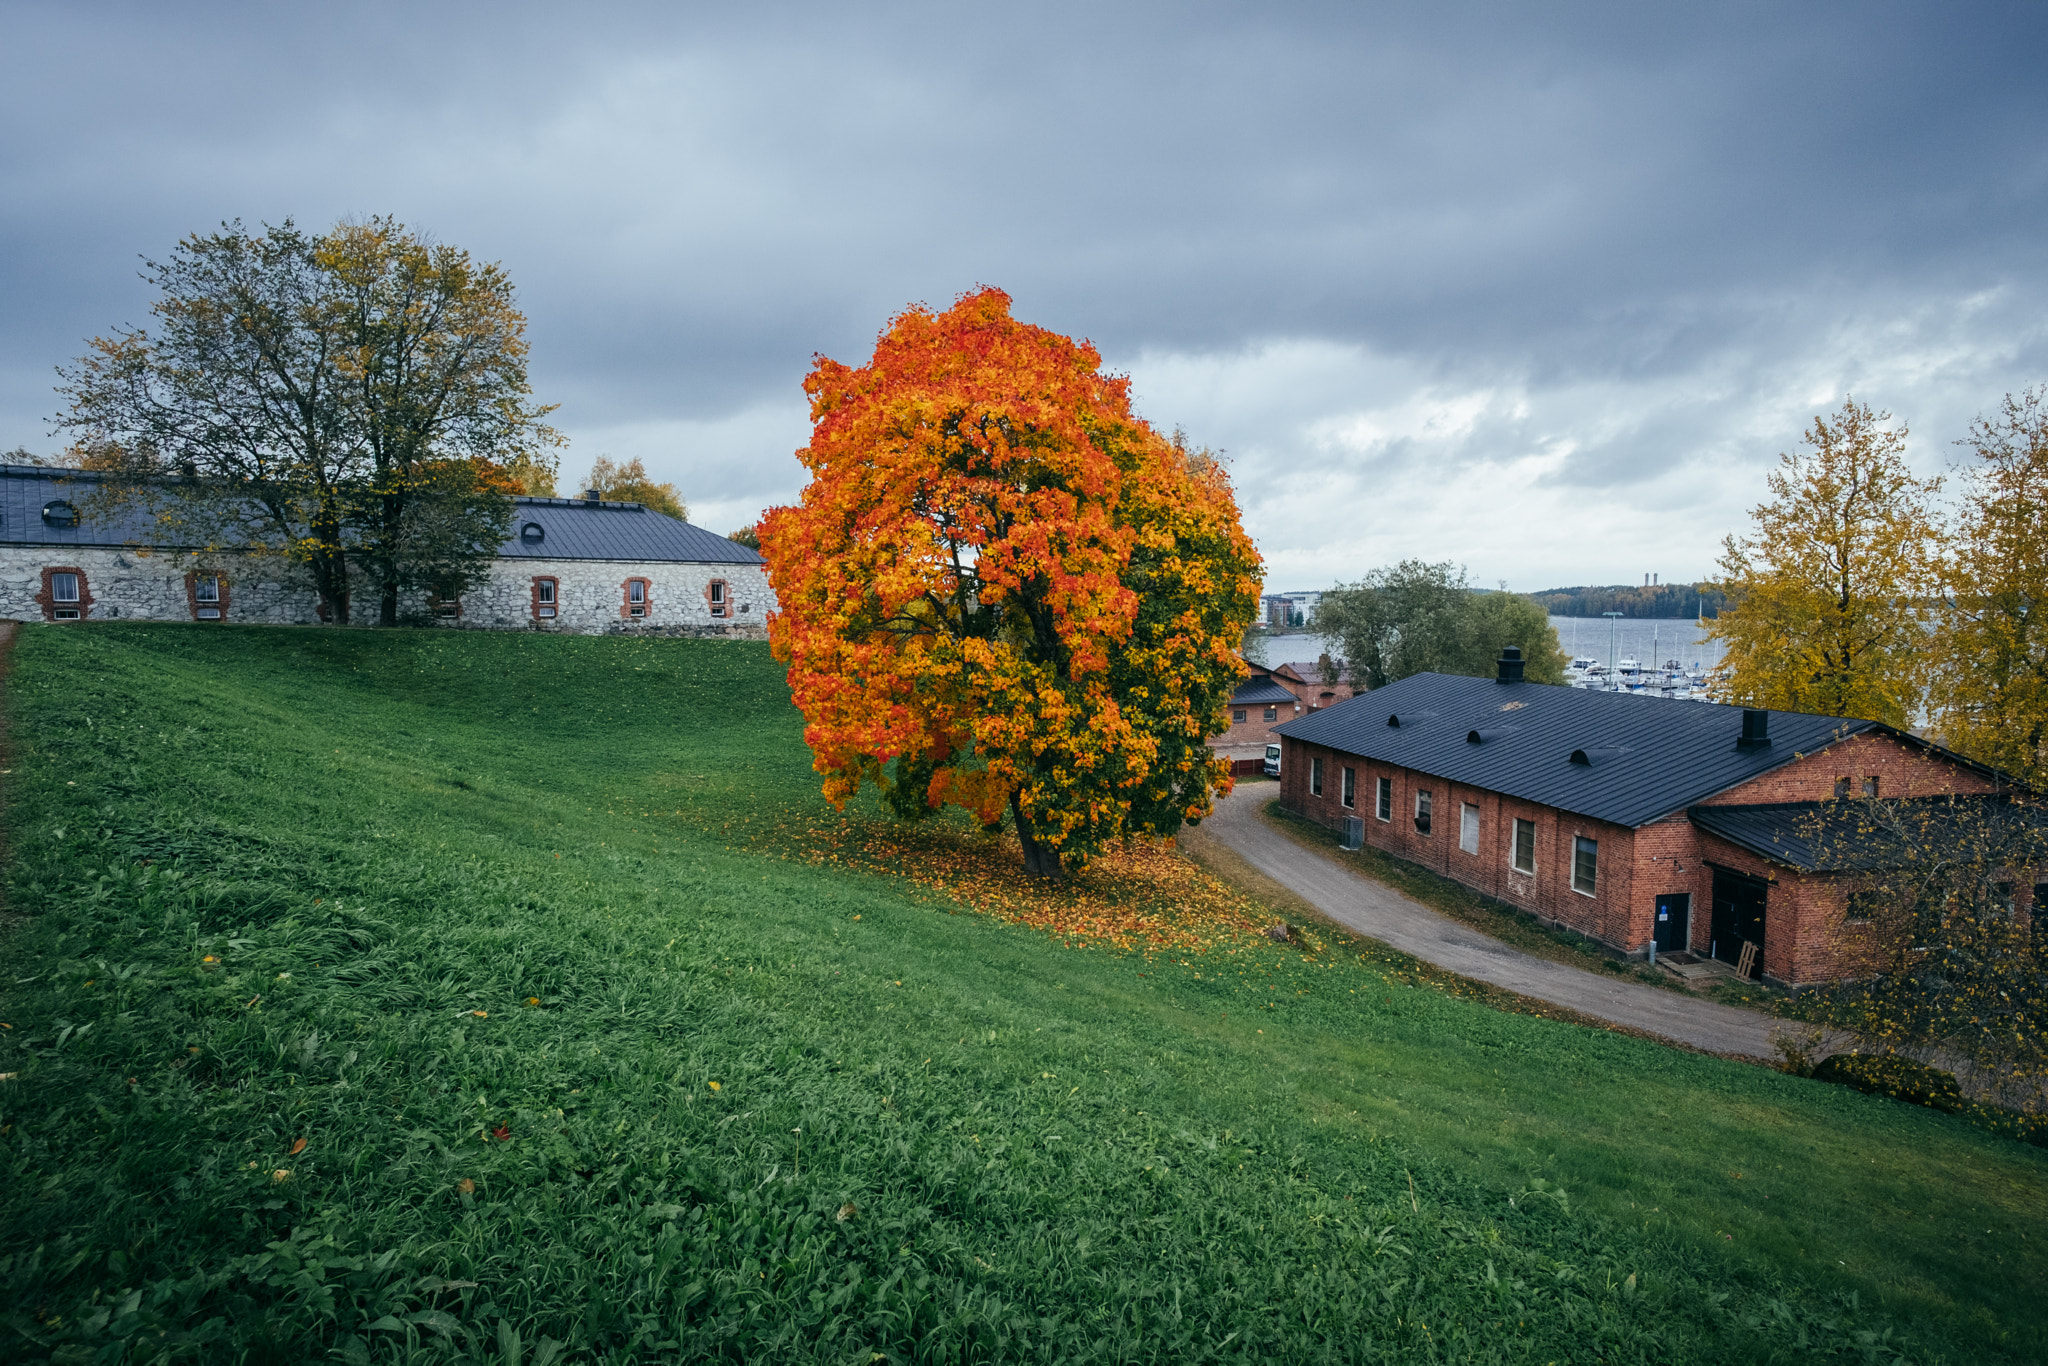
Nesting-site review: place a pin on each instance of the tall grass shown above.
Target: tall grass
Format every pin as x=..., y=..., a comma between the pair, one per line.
x=434, y=996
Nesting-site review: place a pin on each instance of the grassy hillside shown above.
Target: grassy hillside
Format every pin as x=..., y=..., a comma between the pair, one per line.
x=424, y=996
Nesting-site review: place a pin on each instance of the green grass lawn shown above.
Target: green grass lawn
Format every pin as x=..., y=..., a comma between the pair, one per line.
x=380, y=996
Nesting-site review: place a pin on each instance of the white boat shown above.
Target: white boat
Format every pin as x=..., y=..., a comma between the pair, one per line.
x=1629, y=666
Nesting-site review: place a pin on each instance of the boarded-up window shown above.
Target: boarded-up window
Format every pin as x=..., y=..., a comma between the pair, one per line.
x=1468, y=828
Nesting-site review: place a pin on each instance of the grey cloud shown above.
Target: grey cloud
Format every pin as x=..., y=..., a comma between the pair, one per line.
x=1655, y=227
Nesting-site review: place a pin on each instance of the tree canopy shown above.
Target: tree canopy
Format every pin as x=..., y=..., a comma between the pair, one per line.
x=630, y=483
x=1004, y=591
x=354, y=402
x=1828, y=597
x=1415, y=617
x=1990, y=655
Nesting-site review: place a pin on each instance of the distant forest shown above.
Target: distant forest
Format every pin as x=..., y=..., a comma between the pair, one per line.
x=1632, y=600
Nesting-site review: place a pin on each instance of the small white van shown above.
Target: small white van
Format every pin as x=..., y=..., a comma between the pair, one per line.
x=1272, y=761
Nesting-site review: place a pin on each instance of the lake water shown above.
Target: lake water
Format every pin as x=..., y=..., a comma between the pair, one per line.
x=1652, y=640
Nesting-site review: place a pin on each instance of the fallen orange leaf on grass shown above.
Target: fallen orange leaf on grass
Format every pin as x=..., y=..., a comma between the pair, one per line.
x=298, y=1147
x=466, y=1186
x=501, y=1133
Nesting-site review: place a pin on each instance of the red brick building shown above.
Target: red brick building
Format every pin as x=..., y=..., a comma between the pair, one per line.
x=1628, y=819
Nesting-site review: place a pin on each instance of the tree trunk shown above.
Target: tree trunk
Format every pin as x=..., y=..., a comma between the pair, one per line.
x=1040, y=860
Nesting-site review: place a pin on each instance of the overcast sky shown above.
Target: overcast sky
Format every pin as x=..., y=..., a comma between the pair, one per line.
x=1540, y=289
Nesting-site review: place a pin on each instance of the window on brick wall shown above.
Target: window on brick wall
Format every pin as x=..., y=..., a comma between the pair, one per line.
x=1585, y=865
x=1870, y=786
x=1349, y=785
x=1841, y=788
x=1383, y=805
x=1422, y=805
x=1468, y=828
x=1523, y=853
x=1239, y=716
x=1272, y=713
x=1315, y=777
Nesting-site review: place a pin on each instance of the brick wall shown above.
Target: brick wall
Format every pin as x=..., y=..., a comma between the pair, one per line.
x=1614, y=914
x=1902, y=771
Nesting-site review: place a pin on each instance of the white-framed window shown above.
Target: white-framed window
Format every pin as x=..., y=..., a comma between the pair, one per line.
x=1383, y=804
x=64, y=595
x=545, y=594
x=1523, y=854
x=717, y=597
x=1585, y=865
x=1423, y=801
x=1238, y=716
x=1349, y=787
x=1272, y=713
x=1315, y=777
x=1468, y=827
x=636, y=597
x=206, y=597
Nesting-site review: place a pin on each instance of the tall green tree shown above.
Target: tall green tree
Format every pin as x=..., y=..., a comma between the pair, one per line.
x=432, y=355
x=1829, y=595
x=353, y=403
x=1415, y=617
x=230, y=420
x=1990, y=691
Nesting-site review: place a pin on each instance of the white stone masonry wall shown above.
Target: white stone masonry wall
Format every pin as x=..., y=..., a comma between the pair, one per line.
x=135, y=585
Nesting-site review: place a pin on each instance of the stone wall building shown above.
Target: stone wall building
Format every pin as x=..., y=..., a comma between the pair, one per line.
x=1630, y=820
x=577, y=565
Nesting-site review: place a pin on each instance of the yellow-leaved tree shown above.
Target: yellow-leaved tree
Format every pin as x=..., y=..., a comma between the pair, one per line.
x=1830, y=594
x=1990, y=696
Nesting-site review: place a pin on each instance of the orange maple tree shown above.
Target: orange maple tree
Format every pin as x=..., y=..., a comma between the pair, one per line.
x=1004, y=591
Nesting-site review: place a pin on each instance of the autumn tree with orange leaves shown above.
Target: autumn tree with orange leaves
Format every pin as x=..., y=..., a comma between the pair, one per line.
x=1003, y=591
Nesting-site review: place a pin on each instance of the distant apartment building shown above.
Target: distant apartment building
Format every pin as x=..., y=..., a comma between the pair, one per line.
x=1291, y=609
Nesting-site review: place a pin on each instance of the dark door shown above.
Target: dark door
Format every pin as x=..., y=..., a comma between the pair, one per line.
x=1738, y=916
x=1674, y=921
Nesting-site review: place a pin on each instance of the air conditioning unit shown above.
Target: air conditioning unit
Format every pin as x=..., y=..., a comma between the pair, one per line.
x=1354, y=832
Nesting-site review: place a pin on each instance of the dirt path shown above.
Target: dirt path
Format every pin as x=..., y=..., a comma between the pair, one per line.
x=1378, y=912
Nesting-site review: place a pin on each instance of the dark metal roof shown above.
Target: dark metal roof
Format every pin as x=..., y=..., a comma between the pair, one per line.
x=1259, y=690
x=571, y=528
x=576, y=529
x=1644, y=757
x=1842, y=836
x=26, y=489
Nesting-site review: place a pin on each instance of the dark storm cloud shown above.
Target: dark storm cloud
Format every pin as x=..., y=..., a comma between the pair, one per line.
x=1623, y=250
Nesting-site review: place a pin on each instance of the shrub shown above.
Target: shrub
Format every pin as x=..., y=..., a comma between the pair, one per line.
x=1888, y=1074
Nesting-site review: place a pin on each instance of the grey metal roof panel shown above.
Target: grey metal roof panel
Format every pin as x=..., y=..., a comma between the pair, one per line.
x=1650, y=756
x=1260, y=690
x=26, y=489
x=572, y=528
x=1840, y=836
x=577, y=529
